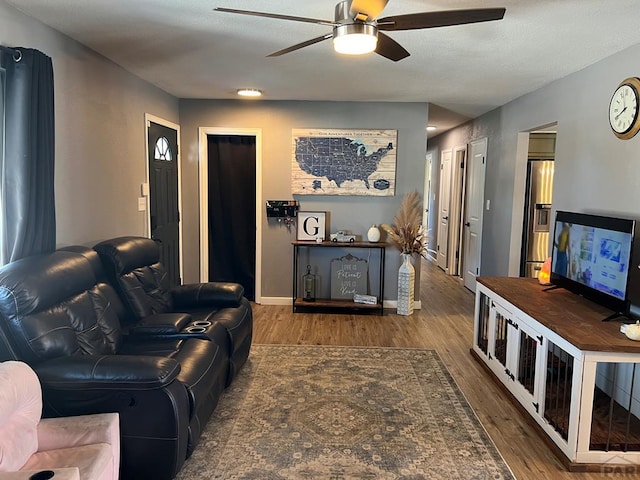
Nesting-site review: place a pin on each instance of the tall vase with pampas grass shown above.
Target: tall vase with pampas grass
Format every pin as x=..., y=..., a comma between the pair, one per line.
x=407, y=235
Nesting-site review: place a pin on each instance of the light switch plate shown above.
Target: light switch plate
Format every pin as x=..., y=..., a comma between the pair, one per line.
x=142, y=204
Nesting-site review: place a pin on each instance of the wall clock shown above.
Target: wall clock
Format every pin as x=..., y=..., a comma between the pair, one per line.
x=623, y=109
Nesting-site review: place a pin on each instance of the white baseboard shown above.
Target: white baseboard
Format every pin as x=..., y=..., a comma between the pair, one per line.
x=276, y=301
x=417, y=305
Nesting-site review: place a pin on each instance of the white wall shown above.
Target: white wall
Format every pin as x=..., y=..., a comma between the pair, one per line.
x=594, y=172
x=100, y=133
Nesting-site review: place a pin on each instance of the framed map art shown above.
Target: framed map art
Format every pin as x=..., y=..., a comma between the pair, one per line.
x=343, y=162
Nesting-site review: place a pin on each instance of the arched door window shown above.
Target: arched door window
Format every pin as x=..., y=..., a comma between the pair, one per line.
x=163, y=150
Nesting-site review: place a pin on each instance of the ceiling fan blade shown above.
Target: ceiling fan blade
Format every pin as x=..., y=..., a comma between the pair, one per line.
x=367, y=9
x=389, y=48
x=445, y=18
x=300, y=45
x=275, y=15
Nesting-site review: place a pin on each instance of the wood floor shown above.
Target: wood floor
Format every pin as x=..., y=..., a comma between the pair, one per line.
x=445, y=323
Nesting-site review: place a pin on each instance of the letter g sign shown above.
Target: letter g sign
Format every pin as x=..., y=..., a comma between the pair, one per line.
x=311, y=225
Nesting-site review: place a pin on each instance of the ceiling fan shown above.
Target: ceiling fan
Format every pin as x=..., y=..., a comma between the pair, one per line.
x=357, y=28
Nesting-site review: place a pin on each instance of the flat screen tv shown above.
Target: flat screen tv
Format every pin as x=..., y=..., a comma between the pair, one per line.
x=591, y=256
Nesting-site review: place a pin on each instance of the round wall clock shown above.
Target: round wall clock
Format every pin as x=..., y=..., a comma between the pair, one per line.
x=623, y=109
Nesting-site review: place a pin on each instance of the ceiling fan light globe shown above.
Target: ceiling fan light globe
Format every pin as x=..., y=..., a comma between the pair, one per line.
x=355, y=39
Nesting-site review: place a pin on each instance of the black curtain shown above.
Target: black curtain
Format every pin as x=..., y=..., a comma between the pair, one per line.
x=232, y=210
x=28, y=201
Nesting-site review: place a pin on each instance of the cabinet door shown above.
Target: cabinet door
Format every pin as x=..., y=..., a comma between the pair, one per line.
x=481, y=324
x=527, y=366
x=558, y=388
x=499, y=341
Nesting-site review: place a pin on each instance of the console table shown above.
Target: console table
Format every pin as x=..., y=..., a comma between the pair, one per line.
x=575, y=375
x=327, y=303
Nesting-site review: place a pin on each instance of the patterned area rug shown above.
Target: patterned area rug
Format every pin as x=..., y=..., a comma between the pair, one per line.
x=341, y=413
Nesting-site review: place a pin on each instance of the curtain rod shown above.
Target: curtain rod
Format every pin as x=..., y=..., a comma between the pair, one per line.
x=17, y=54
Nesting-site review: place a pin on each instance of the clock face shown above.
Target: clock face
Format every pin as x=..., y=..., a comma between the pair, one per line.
x=623, y=110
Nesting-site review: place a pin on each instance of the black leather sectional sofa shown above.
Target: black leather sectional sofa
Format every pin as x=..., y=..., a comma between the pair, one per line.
x=105, y=333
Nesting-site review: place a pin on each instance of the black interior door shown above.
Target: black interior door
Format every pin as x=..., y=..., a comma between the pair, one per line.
x=232, y=210
x=163, y=196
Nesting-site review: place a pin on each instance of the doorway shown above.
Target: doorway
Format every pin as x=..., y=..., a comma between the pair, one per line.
x=537, y=202
x=163, y=190
x=230, y=214
x=458, y=166
x=429, y=215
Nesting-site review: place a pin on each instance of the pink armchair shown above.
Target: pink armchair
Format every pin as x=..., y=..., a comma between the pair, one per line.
x=85, y=447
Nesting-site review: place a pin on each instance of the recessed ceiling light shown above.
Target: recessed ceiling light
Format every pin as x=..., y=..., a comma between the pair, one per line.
x=249, y=92
x=431, y=128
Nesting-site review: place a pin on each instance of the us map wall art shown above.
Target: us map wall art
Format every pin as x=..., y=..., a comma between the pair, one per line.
x=343, y=162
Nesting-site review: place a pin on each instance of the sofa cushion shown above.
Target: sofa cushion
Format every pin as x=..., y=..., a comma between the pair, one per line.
x=132, y=265
x=52, y=307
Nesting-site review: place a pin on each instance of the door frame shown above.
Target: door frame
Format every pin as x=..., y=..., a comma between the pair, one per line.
x=144, y=188
x=203, y=185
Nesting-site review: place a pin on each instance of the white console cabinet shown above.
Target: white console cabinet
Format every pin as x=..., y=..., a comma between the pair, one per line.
x=575, y=375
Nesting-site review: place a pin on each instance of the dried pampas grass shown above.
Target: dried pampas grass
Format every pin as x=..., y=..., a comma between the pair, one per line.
x=407, y=233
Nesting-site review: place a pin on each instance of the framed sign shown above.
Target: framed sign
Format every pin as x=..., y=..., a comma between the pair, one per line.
x=331, y=161
x=311, y=225
x=349, y=276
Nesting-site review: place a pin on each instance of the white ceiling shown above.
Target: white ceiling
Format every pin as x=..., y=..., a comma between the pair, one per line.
x=191, y=51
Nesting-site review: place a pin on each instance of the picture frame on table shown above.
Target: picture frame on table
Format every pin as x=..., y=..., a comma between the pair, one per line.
x=311, y=226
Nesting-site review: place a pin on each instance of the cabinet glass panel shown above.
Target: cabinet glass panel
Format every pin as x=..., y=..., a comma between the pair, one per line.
x=482, y=340
x=527, y=361
x=615, y=424
x=500, y=345
x=559, y=383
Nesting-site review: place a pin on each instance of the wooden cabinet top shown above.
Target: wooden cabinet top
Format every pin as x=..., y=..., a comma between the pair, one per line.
x=574, y=318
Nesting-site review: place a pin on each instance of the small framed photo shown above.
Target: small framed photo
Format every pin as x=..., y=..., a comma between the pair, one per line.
x=311, y=225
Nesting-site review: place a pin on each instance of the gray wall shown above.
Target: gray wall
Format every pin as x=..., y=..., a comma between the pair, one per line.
x=277, y=119
x=100, y=133
x=594, y=171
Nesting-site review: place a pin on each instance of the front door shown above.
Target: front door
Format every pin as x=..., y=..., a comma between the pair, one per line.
x=444, y=201
x=474, y=204
x=163, y=196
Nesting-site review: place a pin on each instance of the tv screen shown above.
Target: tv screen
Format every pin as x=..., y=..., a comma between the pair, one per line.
x=591, y=256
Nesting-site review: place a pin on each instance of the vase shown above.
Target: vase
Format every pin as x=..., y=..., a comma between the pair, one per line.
x=373, y=234
x=406, y=283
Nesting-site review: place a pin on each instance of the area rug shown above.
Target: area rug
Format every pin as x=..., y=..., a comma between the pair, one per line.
x=341, y=413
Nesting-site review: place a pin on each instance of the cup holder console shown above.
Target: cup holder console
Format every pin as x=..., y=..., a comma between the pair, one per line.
x=199, y=326
x=196, y=329
x=201, y=323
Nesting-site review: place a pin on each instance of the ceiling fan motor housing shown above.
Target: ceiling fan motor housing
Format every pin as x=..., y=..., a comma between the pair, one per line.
x=355, y=28
x=344, y=13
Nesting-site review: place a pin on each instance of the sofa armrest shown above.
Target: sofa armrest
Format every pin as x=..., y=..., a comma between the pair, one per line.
x=72, y=473
x=118, y=372
x=80, y=430
x=161, y=324
x=211, y=294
